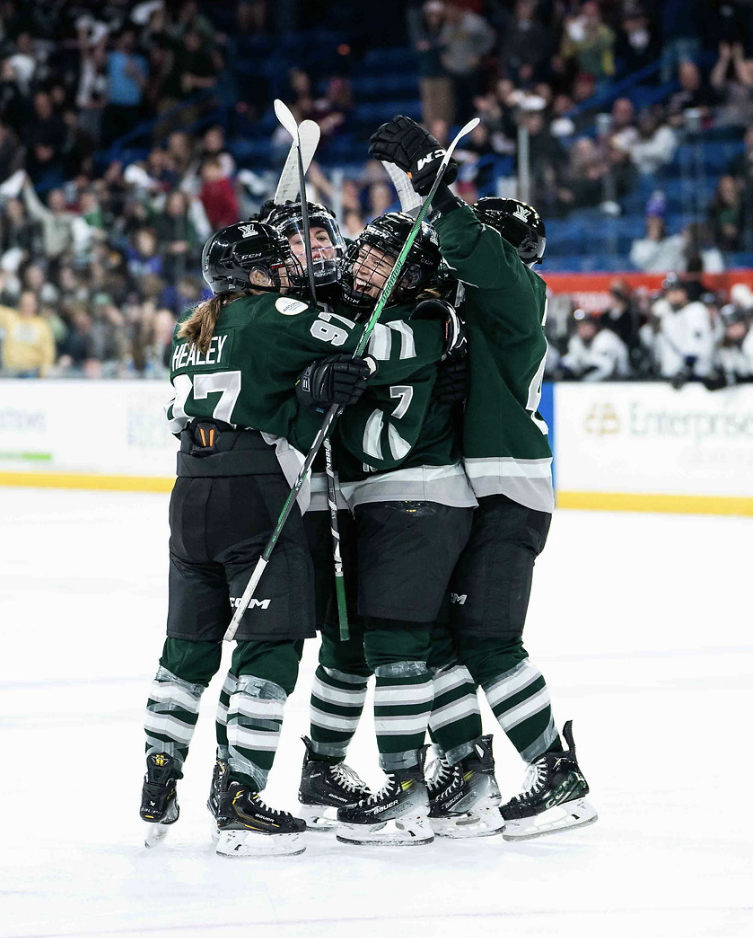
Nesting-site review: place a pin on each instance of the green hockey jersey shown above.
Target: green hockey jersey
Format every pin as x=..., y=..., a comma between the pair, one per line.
x=505, y=444
x=261, y=344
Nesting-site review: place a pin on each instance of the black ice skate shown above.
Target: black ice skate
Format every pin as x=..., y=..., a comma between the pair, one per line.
x=553, y=799
x=160, y=806
x=464, y=798
x=217, y=787
x=325, y=788
x=250, y=828
x=396, y=815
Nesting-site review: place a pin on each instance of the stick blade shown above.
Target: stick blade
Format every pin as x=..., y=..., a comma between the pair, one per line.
x=286, y=119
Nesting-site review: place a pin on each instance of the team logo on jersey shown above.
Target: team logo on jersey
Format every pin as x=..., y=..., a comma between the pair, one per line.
x=290, y=307
x=248, y=230
x=522, y=213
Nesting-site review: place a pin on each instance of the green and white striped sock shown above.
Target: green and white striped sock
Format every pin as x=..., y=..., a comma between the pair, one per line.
x=455, y=718
x=336, y=703
x=172, y=711
x=403, y=702
x=221, y=715
x=521, y=703
x=255, y=715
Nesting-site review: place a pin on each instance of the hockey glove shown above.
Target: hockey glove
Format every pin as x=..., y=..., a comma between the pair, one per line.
x=455, y=337
x=453, y=381
x=410, y=147
x=338, y=379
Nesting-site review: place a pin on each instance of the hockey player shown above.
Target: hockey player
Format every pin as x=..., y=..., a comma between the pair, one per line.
x=401, y=475
x=733, y=357
x=593, y=352
x=492, y=248
x=234, y=365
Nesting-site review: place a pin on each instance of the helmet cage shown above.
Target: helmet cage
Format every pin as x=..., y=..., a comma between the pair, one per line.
x=328, y=246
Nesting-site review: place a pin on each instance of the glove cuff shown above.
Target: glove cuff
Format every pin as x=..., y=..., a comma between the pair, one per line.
x=444, y=201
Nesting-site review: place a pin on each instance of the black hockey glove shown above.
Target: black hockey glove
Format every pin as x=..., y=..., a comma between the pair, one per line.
x=338, y=379
x=456, y=339
x=403, y=142
x=453, y=380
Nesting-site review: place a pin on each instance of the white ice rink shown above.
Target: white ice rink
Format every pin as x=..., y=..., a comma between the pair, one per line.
x=641, y=623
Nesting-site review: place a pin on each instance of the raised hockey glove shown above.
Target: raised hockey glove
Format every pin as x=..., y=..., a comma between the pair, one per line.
x=410, y=147
x=453, y=380
x=455, y=337
x=338, y=379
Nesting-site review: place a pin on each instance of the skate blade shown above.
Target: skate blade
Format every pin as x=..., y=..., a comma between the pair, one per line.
x=569, y=816
x=237, y=844
x=318, y=818
x=483, y=822
x=155, y=835
x=398, y=832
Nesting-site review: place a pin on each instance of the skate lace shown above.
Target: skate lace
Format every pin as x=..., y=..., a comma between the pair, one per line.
x=440, y=774
x=535, y=778
x=347, y=778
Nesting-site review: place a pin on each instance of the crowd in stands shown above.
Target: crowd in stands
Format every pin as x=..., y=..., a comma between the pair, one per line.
x=100, y=243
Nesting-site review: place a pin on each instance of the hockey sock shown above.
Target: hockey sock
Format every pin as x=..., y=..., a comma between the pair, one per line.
x=185, y=670
x=221, y=715
x=516, y=692
x=336, y=703
x=403, y=690
x=256, y=706
x=455, y=718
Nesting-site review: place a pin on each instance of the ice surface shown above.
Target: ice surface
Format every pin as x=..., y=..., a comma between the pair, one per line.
x=641, y=623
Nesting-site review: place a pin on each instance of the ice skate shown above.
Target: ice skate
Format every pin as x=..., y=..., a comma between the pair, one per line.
x=325, y=788
x=553, y=799
x=464, y=798
x=160, y=806
x=397, y=815
x=217, y=787
x=250, y=828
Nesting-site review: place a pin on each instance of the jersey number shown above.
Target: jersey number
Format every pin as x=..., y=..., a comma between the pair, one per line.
x=324, y=328
x=227, y=383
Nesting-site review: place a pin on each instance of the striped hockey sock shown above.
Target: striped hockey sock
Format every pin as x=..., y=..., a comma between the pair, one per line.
x=172, y=710
x=403, y=702
x=521, y=703
x=336, y=703
x=255, y=715
x=221, y=715
x=455, y=719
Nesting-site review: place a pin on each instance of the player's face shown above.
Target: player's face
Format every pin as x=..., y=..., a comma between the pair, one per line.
x=320, y=241
x=371, y=270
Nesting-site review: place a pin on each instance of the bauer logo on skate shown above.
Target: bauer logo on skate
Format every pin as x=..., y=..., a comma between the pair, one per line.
x=253, y=603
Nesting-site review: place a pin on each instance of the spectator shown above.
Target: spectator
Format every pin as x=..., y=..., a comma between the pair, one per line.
x=11, y=153
x=732, y=78
x=143, y=257
x=622, y=316
x=466, y=38
x=19, y=234
x=726, y=214
x=637, y=46
x=44, y=137
x=92, y=91
x=655, y=145
x=24, y=61
x=436, y=90
x=525, y=41
x=28, y=348
x=590, y=42
x=693, y=94
x=680, y=26
x=194, y=69
x=127, y=80
x=593, y=352
x=176, y=236
x=658, y=252
x=217, y=195
x=61, y=230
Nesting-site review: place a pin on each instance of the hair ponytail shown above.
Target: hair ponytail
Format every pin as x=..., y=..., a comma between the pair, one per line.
x=200, y=326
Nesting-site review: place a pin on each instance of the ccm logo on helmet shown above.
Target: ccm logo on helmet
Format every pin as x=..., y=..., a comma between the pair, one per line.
x=260, y=603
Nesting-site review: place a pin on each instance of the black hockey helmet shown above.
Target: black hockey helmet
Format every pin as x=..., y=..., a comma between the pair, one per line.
x=382, y=240
x=518, y=223
x=326, y=239
x=233, y=253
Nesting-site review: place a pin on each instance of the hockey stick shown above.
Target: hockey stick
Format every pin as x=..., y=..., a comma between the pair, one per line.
x=288, y=184
x=408, y=198
x=288, y=122
x=334, y=410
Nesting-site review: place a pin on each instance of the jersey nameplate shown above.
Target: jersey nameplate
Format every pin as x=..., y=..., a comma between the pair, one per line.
x=290, y=307
x=185, y=355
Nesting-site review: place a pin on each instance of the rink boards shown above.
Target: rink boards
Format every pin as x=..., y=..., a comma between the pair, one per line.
x=617, y=446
